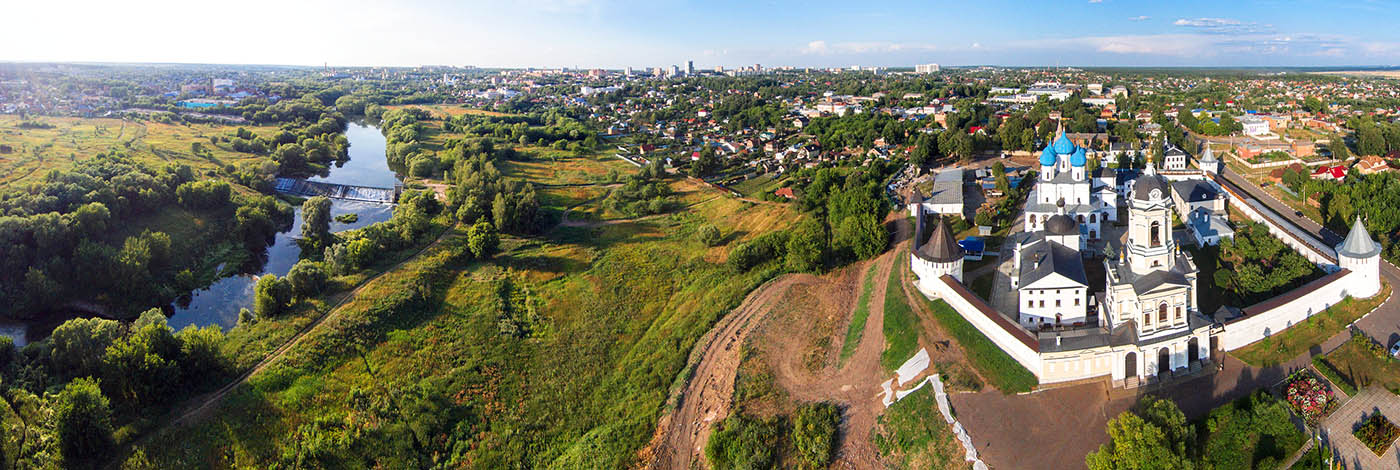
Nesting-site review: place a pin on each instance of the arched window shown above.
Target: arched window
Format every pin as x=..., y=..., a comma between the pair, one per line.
x=1081, y=218
x=1162, y=312
x=1093, y=218
x=1156, y=234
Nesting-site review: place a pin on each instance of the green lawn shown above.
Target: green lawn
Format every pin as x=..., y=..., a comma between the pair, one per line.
x=990, y=361
x=1293, y=342
x=862, y=312
x=911, y=434
x=1355, y=366
x=901, y=326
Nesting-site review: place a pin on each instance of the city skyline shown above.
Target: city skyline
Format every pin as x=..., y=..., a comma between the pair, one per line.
x=615, y=34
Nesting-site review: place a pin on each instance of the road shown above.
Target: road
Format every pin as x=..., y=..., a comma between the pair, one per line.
x=1382, y=325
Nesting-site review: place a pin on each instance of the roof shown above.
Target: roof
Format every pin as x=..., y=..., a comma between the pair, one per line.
x=1060, y=224
x=1079, y=158
x=1063, y=145
x=1358, y=243
x=941, y=247
x=1195, y=190
x=973, y=244
x=1142, y=188
x=1047, y=157
x=1044, y=258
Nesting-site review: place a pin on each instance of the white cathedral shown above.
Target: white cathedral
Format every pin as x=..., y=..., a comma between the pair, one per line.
x=1065, y=186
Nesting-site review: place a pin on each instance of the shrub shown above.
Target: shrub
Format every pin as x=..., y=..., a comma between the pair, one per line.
x=743, y=443
x=709, y=235
x=814, y=434
x=482, y=239
x=307, y=278
x=1377, y=433
x=271, y=295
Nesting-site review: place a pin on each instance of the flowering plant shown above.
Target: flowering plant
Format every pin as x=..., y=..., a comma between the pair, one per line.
x=1377, y=433
x=1309, y=397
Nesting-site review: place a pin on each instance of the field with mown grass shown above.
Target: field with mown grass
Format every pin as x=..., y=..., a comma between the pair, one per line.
x=559, y=352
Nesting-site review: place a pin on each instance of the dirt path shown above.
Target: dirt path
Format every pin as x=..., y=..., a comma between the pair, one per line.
x=206, y=403
x=706, y=399
x=682, y=433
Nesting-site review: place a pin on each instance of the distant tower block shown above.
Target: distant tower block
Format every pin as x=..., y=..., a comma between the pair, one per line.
x=1362, y=256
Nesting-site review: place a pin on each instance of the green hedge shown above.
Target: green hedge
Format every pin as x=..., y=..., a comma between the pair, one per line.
x=994, y=364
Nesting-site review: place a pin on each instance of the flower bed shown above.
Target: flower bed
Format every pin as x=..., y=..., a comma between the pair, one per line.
x=1377, y=433
x=1309, y=397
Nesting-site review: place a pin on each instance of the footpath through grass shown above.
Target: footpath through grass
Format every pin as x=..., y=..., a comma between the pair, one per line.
x=990, y=361
x=901, y=326
x=856, y=330
x=1295, y=341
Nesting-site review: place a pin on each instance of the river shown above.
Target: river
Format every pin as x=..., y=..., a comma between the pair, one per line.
x=219, y=303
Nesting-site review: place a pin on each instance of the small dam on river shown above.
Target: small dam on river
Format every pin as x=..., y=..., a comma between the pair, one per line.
x=301, y=187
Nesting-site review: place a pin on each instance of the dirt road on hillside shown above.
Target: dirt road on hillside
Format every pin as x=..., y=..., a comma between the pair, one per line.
x=682, y=433
x=706, y=399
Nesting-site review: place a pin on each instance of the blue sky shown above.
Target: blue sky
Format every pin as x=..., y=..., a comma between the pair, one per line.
x=617, y=33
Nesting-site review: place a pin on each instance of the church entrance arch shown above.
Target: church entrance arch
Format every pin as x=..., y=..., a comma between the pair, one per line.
x=1164, y=361
x=1130, y=365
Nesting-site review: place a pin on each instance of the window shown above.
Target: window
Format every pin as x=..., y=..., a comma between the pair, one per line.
x=1076, y=301
x=1147, y=319
x=1178, y=313
x=1030, y=304
x=1093, y=218
x=1156, y=263
x=1162, y=312
x=1042, y=304
x=1081, y=218
x=1156, y=234
x=1057, y=302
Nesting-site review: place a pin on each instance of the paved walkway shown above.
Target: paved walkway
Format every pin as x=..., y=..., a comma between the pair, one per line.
x=1347, y=449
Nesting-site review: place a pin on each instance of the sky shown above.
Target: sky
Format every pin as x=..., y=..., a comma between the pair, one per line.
x=649, y=33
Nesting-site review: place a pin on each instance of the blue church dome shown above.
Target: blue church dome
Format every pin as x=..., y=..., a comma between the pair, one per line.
x=1079, y=158
x=1063, y=146
x=1047, y=158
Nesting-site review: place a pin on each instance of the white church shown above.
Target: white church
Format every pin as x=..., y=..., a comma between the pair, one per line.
x=1143, y=323
x=1065, y=186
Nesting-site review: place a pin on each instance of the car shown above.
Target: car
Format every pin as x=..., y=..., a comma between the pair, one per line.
x=1395, y=349
x=1298, y=213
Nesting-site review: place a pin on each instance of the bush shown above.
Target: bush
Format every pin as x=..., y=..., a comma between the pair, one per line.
x=709, y=235
x=82, y=419
x=307, y=278
x=772, y=245
x=814, y=434
x=482, y=239
x=1377, y=433
x=271, y=295
x=743, y=443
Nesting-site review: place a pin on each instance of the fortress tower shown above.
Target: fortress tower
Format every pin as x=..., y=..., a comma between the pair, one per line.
x=1362, y=256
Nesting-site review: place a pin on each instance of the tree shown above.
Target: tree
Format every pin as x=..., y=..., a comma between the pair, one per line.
x=708, y=235
x=1156, y=439
x=307, y=278
x=316, y=218
x=83, y=424
x=806, y=246
x=482, y=239
x=76, y=347
x=1339, y=150
x=144, y=365
x=271, y=295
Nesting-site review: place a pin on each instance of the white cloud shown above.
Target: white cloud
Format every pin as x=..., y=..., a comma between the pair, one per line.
x=1140, y=18
x=1095, y=1
x=1223, y=25
x=870, y=47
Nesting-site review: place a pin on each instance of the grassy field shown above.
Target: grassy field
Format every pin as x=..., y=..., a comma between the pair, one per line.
x=449, y=110
x=1293, y=342
x=990, y=361
x=559, y=352
x=862, y=312
x=901, y=325
x=1356, y=365
x=37, y=151
x=911, y=434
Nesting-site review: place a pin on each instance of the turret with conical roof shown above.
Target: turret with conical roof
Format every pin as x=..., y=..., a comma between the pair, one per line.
x=940, y=255
x=1361, y=255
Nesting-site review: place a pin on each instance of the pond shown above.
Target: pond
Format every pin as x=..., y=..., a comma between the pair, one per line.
x=219, y=303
